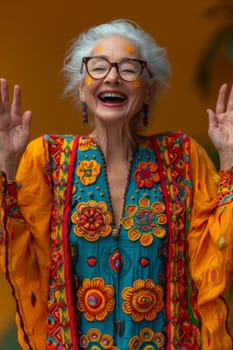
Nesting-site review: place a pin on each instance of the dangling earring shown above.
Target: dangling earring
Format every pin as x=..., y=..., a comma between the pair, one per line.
x=145, y=113
x=84, y=112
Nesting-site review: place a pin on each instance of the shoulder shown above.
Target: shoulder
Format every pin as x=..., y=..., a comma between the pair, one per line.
x=170, y=139
x=47, y=144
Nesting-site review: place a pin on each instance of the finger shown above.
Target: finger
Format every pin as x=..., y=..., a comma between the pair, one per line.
x=26, y=120
x=230, y=100
x=0, y=92
x=16, y=103
x=5, y=95
x=213, y=121
x=220, y=105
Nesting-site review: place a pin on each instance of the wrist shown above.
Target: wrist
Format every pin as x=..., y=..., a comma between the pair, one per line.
x=10, y=171
x=226, y=159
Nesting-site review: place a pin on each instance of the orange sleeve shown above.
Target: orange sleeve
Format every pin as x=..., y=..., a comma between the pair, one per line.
x=211, y=245
x=24, y=249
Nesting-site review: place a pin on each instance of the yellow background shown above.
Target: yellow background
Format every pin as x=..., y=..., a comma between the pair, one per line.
x=34, y=35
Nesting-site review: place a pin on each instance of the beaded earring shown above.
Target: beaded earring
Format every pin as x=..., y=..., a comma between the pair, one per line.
x=145, y=113
x=84, y=112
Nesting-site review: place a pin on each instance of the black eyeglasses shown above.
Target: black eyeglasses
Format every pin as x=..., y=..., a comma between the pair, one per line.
x=129, y=69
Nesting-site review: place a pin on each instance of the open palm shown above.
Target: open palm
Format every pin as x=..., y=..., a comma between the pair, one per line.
x=221, y=124
x=14, y=127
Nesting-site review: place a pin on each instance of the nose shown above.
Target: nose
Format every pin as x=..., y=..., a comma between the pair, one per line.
x=113, y=74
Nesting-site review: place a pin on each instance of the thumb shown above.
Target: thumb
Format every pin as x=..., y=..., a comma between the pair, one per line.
x=26, y=120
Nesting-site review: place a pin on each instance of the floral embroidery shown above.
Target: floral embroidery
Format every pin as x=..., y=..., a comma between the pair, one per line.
x=116, y=261
x=95, y=299
x=2, y=236
x=146, y=144
x=147, y=339
x=225, y=187
x=86, y=143
x=92, y=220
x=145, y=221
x=88, y=170
x=96, y=341
x=146, y=174
x=11, y=200
x=143, y=301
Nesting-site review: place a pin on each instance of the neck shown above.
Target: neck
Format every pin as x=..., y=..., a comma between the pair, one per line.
x=116, y=141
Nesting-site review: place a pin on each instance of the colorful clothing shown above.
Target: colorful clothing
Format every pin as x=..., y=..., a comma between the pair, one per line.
x=156, y=283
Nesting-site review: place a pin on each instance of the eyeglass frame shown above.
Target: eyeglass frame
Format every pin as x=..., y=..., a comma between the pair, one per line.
x=114, y=64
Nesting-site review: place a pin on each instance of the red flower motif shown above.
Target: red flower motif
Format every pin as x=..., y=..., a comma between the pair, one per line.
x=146, y=174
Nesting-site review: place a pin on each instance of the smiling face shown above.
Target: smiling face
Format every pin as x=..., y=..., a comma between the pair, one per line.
x=111, y=99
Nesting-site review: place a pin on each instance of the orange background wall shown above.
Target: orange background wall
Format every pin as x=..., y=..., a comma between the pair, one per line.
x=34, y=35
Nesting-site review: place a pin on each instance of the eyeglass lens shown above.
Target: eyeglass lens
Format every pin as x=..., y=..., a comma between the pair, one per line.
x=128, y=70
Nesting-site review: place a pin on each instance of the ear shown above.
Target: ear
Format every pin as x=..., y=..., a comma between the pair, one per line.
x=80, y=87
x=152, y=89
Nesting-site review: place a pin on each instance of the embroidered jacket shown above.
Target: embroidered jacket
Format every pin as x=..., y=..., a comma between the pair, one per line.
x=193, y=220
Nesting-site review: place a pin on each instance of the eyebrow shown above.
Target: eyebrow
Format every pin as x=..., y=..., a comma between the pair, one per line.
x=122, y=60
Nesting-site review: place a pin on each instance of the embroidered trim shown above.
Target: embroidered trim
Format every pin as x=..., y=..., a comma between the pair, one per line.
x=11, y=199
x=225, y=186
x=174, y=175
x=61, y=328
x=67, y=263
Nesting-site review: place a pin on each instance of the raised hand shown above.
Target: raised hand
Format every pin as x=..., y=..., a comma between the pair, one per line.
x=14, y=129
x=221, y=126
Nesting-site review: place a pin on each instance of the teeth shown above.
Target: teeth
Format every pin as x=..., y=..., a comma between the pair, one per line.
x=111, y=95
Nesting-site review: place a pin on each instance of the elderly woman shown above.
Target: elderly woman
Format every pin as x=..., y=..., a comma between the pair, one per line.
x=115, y=240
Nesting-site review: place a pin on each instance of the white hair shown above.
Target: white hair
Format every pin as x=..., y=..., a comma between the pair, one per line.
x=155, y=56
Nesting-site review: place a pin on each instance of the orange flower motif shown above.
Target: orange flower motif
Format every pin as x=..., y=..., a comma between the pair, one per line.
x=86, y=143
x=147, y=339
x=95, y=340
x=95, y=299
x=145, y=221
x=92, y=220
x=146, y=174
x=143, y=301
x=88, y=170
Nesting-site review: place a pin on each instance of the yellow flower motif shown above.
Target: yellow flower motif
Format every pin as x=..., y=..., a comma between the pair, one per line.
x=144, y=221
x=92, y=220
x=88, y=170
x=148, y=339
x=95, y=340
x=143, y=301
x=95, y=299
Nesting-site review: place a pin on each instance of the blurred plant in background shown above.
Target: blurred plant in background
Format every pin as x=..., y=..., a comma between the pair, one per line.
x=221, y=42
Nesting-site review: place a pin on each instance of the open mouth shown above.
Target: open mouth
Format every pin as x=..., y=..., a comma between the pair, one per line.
x=112, y=97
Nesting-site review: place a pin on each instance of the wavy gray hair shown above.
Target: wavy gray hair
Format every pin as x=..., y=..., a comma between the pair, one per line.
x=155, y=56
